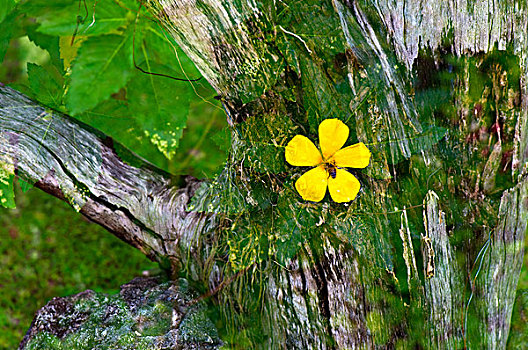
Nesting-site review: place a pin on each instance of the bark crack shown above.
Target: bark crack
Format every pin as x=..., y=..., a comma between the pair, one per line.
x=324, y=303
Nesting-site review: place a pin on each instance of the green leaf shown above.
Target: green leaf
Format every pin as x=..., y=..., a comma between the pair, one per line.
x=160, y=104
x=68, y=49
x=290, y=246
x=102, y=67
x=223, y=139
x=7, y=195
x=150, y=113
x=201, y=153
x=160, y=107
x=6, y=31
x=5, y=8
x=113, y=118
x=7, y=175
x=74, y=17
x=154, y=45
x=46, y=85
x=24, y=185
x=266, y=158
x=46, y=42
x=362, y=230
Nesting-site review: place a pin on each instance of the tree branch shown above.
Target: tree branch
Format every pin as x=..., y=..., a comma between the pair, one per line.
x=140, y=205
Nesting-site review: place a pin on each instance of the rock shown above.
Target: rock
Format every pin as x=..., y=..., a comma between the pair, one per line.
x=146, y=314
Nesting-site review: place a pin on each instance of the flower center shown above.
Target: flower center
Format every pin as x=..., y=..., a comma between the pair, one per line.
x=330, y=169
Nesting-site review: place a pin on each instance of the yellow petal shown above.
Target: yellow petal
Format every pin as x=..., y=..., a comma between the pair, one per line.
x=312, y=184
x=300, y=151
x=333, y=134
x=355, y=156
x=344, y=187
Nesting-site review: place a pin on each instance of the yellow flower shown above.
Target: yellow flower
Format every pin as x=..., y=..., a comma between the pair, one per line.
x=342, y=185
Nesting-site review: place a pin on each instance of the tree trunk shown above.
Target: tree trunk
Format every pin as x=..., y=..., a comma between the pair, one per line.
x=434, y=243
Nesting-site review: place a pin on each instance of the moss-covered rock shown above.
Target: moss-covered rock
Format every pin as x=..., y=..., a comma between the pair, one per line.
x=146, y=314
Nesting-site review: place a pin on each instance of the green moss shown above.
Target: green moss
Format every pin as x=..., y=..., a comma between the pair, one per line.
x=197, y=327
x=142, y=319
x=45, y=340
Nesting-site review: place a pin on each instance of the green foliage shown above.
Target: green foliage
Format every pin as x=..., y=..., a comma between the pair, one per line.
x=7, y=25
x=48, y=44
x=262, y=71
x=231, y=194
x=46, y=83
x=88, y=72
x=69, y=17
x=7, y=175
x=311, y=40
x=223, y=194
x=168, y=101
x=288, y=50
x=261, y=141
x=5, y=8
x=102, y=67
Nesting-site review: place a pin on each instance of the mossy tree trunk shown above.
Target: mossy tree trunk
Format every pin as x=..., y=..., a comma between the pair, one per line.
x=430, y=252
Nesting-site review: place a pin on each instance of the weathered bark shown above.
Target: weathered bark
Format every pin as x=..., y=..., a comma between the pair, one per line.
x=321, y=298
x=335, y=291
x=502, y=267
x=444, y=327
x=140, y=205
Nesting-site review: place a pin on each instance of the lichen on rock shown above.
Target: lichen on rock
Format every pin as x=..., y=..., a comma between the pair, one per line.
x=146, y=314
